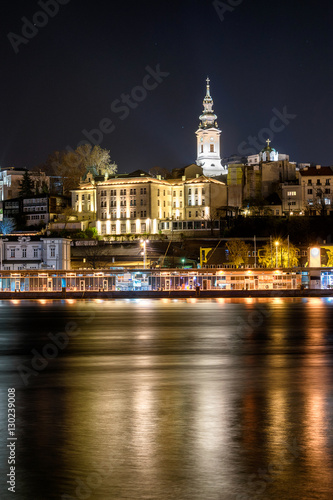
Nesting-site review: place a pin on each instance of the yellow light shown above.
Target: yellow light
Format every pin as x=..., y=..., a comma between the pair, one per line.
x=276, y=243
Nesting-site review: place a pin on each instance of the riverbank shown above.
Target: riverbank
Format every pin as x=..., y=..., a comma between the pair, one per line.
x=175, y=294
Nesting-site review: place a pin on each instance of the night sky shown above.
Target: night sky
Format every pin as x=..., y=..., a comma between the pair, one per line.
x=260, y=56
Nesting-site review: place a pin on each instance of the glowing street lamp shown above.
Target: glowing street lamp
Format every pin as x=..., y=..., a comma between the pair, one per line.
x=143, y=244
x=276, y=253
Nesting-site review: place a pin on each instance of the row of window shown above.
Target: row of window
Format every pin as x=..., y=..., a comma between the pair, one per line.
x=113, y=203
x=113, y=215
x=123, y=192
x=196, y=202
x=327, y=191
x=123, y=228
x=318, y=183
x=24, y=252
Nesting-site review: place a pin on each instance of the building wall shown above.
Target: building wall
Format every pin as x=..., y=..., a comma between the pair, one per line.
x=137, y=205
x=35, y=254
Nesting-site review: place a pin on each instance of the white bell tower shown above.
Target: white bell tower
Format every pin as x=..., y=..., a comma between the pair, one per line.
x=208, y=139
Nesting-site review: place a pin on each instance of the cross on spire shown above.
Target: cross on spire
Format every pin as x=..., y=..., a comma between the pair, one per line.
x=207, y=87
x=268, y=142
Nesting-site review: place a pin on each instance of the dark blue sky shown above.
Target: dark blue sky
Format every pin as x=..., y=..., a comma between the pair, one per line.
x=260, y=56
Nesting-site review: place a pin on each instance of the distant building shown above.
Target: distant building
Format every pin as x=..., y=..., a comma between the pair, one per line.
x=317, y=189
x=17, y=253
x=10, y=179
x=34, y=210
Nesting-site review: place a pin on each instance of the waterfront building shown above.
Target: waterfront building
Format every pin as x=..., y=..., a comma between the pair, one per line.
x=33, y=252
x=151, y=280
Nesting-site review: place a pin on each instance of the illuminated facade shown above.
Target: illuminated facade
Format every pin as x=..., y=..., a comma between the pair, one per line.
x=208, y=139
x=141, y=204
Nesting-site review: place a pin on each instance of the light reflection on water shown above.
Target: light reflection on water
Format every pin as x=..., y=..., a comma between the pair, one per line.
x=159, y=399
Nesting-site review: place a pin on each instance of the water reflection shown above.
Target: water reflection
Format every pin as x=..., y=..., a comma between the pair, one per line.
x=148, y=401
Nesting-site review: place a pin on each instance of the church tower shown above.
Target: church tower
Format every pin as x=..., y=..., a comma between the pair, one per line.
x=208, y=139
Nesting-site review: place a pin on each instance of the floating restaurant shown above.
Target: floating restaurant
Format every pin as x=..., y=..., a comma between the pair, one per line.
x=155, y=280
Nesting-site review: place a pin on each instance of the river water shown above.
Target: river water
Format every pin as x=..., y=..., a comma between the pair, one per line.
x=198, y=399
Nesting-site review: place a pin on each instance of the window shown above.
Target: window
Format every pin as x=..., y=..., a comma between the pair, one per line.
x=203, y=201
x=327, y=201
x=328, y=182
x=163, y=192
x=83, y=197
x=143, y=191
x=141, y=202
x=113, y=192
x=190, y=215
x=318, y=182
x=201, y=149
x=181, y=204
x=291, y=193
x=211, y=148
x=309, y=191
x=203, y=191
x=174, y=193
x=76, y=197
x=133, y=192
x=89, y=197
x=327, y=191
x=196, y=191
x=12, y=252
x=180, y=193
x=52, y=251
x=158, y=192
x=189, y=203
x=174, y=204
x=309, y=182
x=189, y=191
x=35, y=252
x=158, y=203
x=197, y=214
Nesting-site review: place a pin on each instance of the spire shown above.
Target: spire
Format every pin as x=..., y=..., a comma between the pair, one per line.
x=207, y=87
x=208, y=117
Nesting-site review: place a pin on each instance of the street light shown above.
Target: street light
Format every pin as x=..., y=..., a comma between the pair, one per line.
x=143, y=244
x=276, y=253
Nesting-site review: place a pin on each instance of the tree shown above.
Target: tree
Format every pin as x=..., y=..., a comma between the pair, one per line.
x=7, y=226
x=26, y=186
x=96, y=256
x=276, y=255
x=163, y=172
x=329, y=257
x=72, y=165
x=238, y=252
x=67, y=214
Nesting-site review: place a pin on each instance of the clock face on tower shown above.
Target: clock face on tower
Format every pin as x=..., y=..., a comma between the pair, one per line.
x=212, y=138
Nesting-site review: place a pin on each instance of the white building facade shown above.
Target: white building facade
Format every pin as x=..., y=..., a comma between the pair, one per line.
x=208, y=139
x=28, y=253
